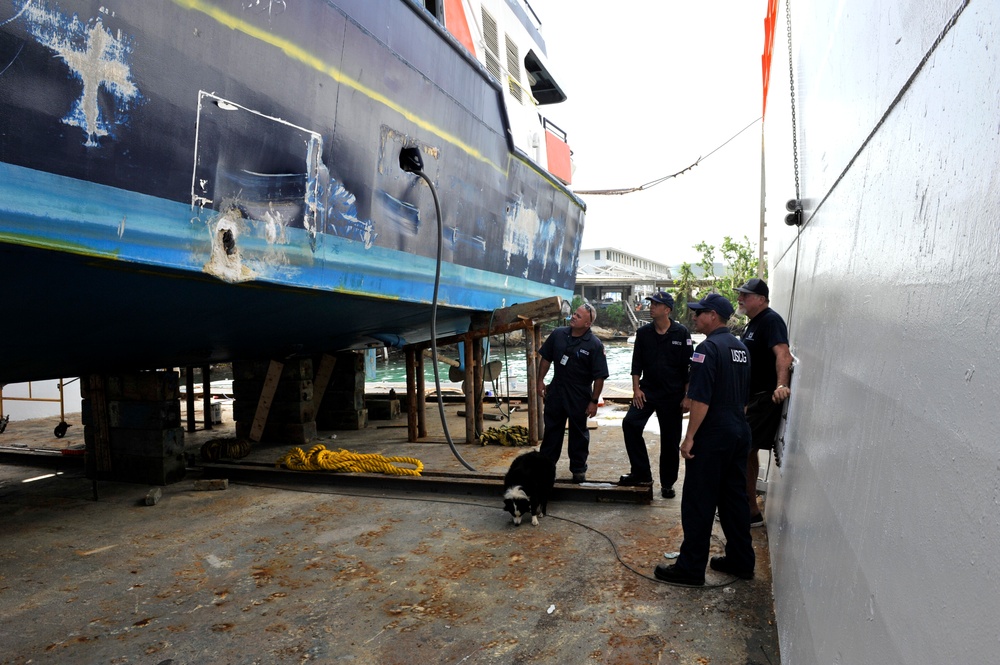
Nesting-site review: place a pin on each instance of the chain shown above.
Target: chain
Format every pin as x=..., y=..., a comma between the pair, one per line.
x=791, y=86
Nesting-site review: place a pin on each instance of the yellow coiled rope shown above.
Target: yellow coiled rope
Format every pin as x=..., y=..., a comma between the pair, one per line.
x=320, y=459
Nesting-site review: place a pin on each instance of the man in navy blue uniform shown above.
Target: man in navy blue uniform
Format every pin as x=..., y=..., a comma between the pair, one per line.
x=577, y=382
x=766, y=337
x=715, y=452
x=661, y=360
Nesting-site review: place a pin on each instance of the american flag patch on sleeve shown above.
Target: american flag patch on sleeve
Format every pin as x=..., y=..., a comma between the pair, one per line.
x=698, y=357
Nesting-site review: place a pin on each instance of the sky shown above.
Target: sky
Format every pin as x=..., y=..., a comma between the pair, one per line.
x=653, y=85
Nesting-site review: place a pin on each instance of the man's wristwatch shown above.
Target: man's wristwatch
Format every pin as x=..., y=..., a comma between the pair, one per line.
x=593, y=401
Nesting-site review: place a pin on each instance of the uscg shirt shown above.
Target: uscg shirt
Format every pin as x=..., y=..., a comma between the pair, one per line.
x=585, y=361
x=720, y=377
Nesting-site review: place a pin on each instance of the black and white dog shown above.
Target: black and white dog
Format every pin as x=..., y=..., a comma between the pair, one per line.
x=527, y=486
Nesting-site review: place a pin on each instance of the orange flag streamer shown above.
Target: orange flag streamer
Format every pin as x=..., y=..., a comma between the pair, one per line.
x=769, y=22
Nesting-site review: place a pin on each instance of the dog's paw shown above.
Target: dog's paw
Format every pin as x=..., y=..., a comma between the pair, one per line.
x=534, y=520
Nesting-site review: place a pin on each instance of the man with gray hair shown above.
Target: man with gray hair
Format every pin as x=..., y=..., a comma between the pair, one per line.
x=573, y=394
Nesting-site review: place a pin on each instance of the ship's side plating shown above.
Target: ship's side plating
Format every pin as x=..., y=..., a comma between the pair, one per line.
x=193, y=180
x=884, y=517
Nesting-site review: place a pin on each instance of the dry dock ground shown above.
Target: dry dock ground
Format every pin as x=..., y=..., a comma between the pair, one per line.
x=306, y=569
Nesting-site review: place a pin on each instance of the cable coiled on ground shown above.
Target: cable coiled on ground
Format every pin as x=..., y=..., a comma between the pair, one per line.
x=214, y=449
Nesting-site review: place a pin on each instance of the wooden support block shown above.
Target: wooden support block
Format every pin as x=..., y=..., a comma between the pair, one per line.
x=383, y=409
x=143, y=386
x=297, y=369
x=155, y=444
x=144, y=415
x=343, y=420
x=101, y=442
x=340, y=399
x=281, y=412
x=322, y=380
x=292, y=434
x=153, y=496
x=143, y=469
x=266, y=396
x=546, y=309
x=288, y=390
x=211, y=484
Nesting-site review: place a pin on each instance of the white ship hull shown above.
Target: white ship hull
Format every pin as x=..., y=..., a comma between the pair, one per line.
x=884, y=516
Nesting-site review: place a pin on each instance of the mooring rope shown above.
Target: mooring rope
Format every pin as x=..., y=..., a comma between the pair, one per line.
x=344, y=461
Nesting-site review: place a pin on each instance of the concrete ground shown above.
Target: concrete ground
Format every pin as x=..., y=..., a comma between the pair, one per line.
x=309, y=570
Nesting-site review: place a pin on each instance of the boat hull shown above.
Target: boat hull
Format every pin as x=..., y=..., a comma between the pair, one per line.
x=163, y=162
x=882, y=519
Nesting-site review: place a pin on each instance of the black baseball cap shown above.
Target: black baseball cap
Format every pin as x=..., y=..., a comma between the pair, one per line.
x=715, y=302
x=663, y=298
x=755, y=285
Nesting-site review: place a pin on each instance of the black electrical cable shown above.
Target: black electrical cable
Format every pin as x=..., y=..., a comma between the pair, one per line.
x=434, y=304
x=479, y=505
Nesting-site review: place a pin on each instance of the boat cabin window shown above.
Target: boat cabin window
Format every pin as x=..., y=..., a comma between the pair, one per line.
x=435, y=9
x=543, y=87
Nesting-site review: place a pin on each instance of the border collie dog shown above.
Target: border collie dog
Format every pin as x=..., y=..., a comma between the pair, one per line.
x=527, y=486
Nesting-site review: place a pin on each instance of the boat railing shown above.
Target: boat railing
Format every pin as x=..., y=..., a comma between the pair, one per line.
x=555, y=129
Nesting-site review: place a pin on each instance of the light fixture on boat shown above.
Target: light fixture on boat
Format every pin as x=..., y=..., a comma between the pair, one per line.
x=794, y=216
x=410, y=160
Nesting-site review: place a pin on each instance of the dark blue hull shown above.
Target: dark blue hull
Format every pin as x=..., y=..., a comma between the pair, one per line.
x=185, y=182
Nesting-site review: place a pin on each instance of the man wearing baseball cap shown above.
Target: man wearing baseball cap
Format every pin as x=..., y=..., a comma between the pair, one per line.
x=661, y=360
x=715, y=452
x=766, y=337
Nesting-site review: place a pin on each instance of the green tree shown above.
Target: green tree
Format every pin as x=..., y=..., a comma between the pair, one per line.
x=740, y=261
x=741, y=264
x=685, y=288
x=614, y=317
x=707, y=261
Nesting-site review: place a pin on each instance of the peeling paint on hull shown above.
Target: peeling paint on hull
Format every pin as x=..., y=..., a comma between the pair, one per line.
x=273, y=170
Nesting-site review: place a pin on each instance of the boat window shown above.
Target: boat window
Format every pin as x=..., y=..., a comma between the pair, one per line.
x=543, y=87
x=435, y=9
